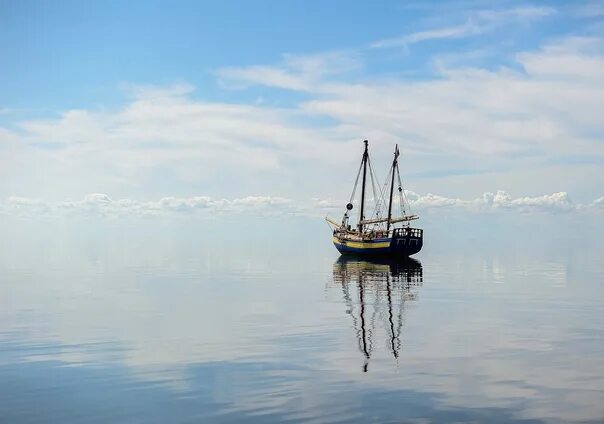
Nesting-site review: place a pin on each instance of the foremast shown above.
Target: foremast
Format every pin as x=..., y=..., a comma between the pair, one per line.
x=362, y=212
x=394, y=168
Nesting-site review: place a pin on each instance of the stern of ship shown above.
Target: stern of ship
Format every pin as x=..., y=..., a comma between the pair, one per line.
x=406, y=241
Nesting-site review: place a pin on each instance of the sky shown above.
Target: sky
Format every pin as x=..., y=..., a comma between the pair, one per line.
x=143, y=108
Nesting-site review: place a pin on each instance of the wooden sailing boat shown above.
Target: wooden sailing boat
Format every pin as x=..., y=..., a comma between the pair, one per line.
x=378, y=235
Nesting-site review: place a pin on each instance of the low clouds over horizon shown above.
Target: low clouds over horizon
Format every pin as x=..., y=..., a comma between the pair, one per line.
x=102, y=205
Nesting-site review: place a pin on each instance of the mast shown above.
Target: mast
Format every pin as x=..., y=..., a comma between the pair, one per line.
x=394, y=164
x=362, y=215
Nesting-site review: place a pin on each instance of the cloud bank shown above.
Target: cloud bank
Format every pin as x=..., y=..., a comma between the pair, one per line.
x=101, y=205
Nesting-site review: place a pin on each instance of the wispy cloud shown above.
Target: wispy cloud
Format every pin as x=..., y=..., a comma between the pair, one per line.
x=514, y=120
x=295, y=72
x=591, y=9
x=467, y=29
x=476, y=23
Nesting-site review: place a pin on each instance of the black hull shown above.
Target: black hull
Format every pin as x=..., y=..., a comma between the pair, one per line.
x=402, y=244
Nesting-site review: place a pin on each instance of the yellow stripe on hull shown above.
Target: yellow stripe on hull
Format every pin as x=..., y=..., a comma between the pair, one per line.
x=361, y=244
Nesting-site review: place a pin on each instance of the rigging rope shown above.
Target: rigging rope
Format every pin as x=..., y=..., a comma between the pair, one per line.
x=373, y=178
x=378, y=197
x=403, y=197
x=380, y=200
x=384, y=191
x=356, y=182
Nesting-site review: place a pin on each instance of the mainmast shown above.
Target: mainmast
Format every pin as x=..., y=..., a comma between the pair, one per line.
x=394, y=165
x=361, y=214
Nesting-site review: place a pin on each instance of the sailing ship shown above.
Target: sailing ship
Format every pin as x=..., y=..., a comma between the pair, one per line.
x=378, y=234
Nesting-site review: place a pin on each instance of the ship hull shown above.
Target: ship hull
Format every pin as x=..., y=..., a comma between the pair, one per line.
x=386, y=247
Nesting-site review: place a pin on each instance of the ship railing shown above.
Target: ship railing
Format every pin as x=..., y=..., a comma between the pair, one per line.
x=396, y=232
x=408, y=232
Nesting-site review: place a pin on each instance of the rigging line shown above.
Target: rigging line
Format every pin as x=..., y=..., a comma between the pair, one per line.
x=403, y=194
x=376, y=210
x=356, y=182
x=400, y=193
x=380, y=199
x=371, y=176
x=375, y=176
x=375, y=199
x=384, y=189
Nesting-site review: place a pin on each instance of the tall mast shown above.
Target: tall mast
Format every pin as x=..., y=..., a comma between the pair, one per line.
x=365, y=157
x=394, y=164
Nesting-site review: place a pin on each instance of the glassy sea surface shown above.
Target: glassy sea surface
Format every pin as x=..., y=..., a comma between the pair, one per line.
x=179, y=326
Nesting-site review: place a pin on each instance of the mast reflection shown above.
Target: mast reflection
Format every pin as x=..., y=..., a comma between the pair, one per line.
x=378, y=282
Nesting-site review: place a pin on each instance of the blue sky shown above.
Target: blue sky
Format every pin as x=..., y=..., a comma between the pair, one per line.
x=264, y=104
x=67, y=54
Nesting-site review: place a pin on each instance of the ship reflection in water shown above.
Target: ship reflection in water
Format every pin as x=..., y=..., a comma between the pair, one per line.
x=369, y=287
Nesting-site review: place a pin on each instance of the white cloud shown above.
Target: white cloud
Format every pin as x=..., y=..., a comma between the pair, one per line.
x=499, y=200
x=267, y=75
x=160, y=132
x=467, y=29
x=577, y=56
x=510, y=122
x=295, y=72
x=488, y=202
x=477, y=23
x=101, y=205
x=474, y=111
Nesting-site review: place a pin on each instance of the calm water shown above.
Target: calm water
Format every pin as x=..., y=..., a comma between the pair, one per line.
x=123, y=327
